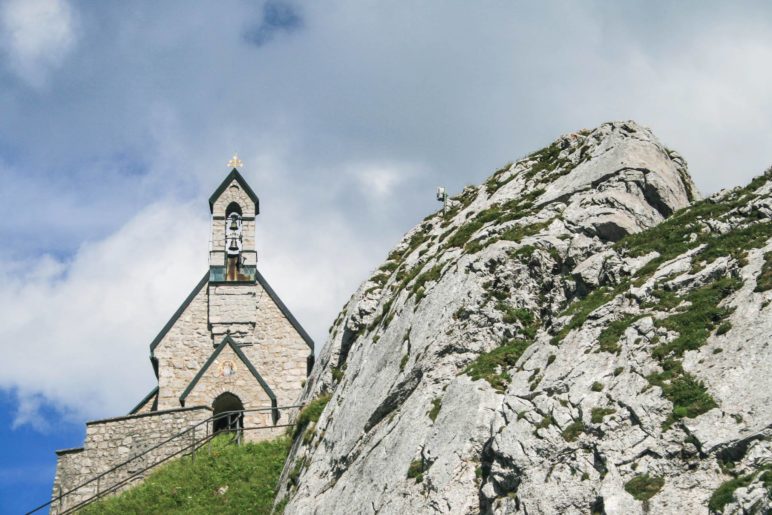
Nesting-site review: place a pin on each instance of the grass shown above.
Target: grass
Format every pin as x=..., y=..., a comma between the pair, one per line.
x=598, y=414
x=643, y=487
x=311, y=413
x=416, y=470
x=431, y=275
x=522, y=316
x=695, y=324
x=492, y=366
x=609, y=337
x=572, y=431
x=583, y=307
x=764, y=280
x=250, y=472
x=435, y=410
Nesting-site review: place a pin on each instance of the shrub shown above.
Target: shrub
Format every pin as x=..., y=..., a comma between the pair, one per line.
x=643, y=487
x=416, y=470
x=598, y=414
x=435, y=410
x=609, y=337
x=572, y=431
x=492, y=366
x=311, y=412
x=764, y=279
x=596, y=387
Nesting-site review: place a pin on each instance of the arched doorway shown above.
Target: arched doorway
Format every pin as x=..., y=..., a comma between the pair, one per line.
x=228, y=412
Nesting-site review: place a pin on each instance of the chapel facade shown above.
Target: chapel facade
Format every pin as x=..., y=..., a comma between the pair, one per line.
x=232, y=345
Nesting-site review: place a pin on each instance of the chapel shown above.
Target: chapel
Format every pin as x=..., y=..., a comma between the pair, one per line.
x=231, y=347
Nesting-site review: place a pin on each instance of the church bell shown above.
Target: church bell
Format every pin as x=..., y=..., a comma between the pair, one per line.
x=234, y=226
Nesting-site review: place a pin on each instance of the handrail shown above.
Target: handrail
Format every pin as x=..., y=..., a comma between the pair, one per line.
x=192, y=428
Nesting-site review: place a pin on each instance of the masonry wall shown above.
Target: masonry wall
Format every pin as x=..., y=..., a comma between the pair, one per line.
x=269, y=340
x=111, y=442
x=183, y=351
x=228, y=373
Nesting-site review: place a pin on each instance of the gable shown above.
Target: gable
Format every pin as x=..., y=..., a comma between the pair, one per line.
x=228, y=342
x=235, y=175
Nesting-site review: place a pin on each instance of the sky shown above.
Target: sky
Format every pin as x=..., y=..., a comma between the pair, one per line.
x=117, y=120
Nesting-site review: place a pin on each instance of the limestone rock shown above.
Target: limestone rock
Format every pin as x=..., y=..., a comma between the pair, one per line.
x=550, y=345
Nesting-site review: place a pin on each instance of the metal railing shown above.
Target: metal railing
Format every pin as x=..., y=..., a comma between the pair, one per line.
x=233, y=419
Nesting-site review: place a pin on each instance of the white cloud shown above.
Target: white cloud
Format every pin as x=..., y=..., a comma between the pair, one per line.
x=378, y=181
x=37, y=35
x=76, y=333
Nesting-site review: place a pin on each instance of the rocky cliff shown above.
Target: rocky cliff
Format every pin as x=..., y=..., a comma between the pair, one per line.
x=580, y=334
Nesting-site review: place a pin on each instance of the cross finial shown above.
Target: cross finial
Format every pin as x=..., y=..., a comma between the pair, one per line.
x=235, y=162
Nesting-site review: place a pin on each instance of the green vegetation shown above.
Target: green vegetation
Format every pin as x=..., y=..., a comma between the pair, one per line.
x=416, y=470
x=546, y=421
x=695, y=324
x=403, y=362
x=492, y=366
x=230, y=479
x=583, y=307
x=643, y=487
x=598, y=414
x=547, y=160
x=764, y=280
x=492, y=185
x=609, y=337
x=689, y=396
x=671, y=238
x=551, y=359
x=311, y=413
x=572, y=431
x=435, y=410
x=431, y=275
x=522, y=316
x=724, y=494
x=618, y=371
x=597, y=387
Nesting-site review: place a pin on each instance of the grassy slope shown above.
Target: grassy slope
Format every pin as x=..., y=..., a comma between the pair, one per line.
x=250, y=472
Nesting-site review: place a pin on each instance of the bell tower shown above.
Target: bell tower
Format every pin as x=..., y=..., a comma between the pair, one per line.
x=232, y=252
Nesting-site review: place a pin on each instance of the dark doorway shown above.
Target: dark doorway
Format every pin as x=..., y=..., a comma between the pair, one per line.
x=228, y=413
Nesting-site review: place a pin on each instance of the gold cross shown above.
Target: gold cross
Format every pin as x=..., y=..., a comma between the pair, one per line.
x=235, y=162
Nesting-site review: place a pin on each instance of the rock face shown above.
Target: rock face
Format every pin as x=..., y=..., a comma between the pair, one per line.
x=569, y=337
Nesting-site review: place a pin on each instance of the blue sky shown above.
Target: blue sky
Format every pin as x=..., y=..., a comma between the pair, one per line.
x=117, y=119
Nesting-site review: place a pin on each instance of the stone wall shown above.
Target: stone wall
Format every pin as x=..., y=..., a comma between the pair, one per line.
x=111, y=442
x=228, y=373
x=273, y=345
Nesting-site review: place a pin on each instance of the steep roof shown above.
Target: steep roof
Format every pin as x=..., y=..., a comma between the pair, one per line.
x=243, y=183
x=285, y=310
x=153, y=393
x=228, y=341
x=177, y=314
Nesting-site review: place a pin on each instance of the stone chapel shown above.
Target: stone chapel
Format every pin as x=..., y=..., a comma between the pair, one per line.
x=232, y=345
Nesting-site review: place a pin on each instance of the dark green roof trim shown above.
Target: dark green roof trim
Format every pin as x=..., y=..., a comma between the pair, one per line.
x=234, y=175
x=228, y=341
x=285, y=311
x=178, y=313
x=69, y=451
x=153, y=393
